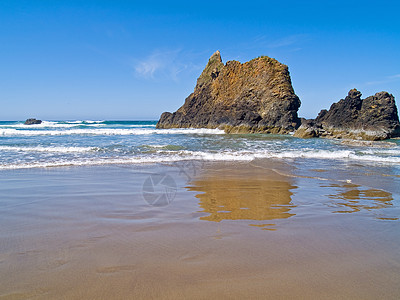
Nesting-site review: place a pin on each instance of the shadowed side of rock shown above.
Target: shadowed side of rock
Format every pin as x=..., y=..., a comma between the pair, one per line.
x=256, y=96
x=373, y=118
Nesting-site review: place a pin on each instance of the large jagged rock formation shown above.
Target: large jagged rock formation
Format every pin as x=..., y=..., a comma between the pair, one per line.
x=374, y=118
x=256, y=96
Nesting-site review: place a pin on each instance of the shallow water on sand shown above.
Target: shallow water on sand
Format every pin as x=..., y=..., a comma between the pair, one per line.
x=260, y=229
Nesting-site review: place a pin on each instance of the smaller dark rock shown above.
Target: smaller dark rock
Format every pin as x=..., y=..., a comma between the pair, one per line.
x=373, y=118
x=32, y=122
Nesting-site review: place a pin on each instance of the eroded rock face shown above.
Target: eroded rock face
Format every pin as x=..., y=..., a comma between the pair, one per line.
x=373, y=118
x=32, y=122
x=256, y=96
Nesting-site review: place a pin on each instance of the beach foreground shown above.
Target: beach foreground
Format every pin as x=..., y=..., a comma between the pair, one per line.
x=197, y=230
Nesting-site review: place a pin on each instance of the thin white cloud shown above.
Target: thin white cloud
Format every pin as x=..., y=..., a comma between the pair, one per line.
x=163, y=64
x=286, y=41
x=149, y=66
x=387, y=79
x=290, y=43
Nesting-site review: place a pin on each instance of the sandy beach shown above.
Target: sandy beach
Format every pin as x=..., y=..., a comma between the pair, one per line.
x=229, y=230
x=174, y=150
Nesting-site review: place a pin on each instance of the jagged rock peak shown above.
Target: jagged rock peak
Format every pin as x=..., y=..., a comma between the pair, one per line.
x=354, y=93
x=215, y=57
x=212, y=70
x=256, y=96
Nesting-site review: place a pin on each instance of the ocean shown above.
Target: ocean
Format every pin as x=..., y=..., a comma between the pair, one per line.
x=76, y=143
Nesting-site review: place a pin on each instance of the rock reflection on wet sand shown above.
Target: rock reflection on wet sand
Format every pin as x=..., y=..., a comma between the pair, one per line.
x=228, y=195
x=353, y=198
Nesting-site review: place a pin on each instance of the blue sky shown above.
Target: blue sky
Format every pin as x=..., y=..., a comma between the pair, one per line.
x=135, y=60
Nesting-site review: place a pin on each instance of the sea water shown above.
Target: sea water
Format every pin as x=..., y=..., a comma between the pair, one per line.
x=75, y=143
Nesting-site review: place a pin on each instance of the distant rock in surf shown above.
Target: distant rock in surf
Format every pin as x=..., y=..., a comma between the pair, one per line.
x=32, y=122
x=256, y=96
x=372, y=118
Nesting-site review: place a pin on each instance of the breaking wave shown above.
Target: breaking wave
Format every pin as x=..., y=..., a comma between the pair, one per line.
x=168, y=156
x=108, y=131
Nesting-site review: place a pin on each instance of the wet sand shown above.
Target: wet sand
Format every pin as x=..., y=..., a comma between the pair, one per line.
x=229, y=231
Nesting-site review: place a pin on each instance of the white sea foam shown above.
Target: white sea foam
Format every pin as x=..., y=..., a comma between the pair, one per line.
x=48, y=149
x=72, y=124
x=215, y=156
x=137, y=125
x=127, y=160
x=93, y=162
x=381, y=151
x=100, y=131
x=251, y=155
x=326, y=154
x=91, y=121
x=49, y=124
x=79, y=122
x=288, y=154
x=317, y=154
x=182, y=155
x=374, y=158
x=157, y=146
